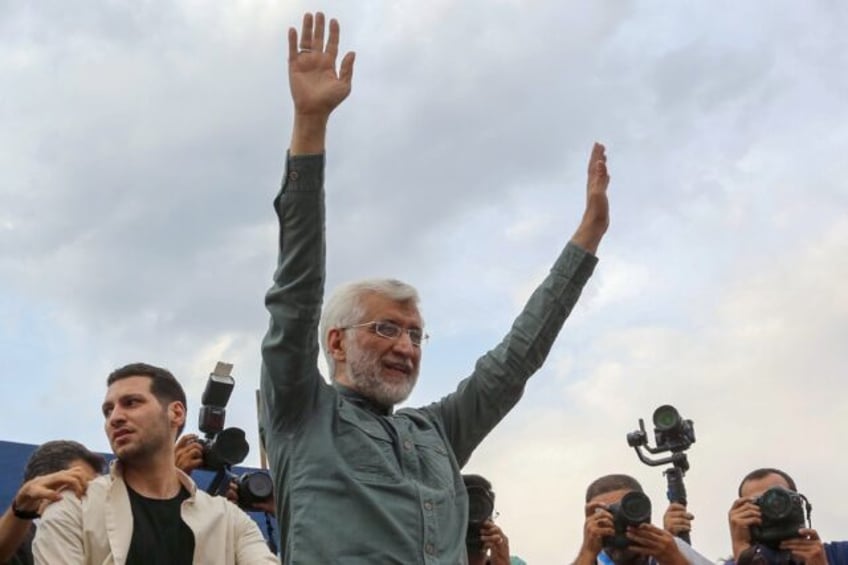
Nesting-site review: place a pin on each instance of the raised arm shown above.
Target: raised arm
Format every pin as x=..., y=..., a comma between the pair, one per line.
x=290, y=375
x=499, y=377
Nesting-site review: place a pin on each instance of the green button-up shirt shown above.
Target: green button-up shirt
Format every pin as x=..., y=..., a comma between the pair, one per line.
x=354, y=484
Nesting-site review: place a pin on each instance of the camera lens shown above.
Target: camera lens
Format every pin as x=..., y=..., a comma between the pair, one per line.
x=636, y=508
x=776, y=503
x=259, y=485
x=666, y=418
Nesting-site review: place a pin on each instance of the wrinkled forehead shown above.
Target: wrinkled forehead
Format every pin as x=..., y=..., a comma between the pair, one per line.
x=379, y=307
x=756, y=487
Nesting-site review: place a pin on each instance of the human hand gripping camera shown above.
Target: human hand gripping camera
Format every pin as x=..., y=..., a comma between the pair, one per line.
x=221, y=448
x=770, y=523
x=618, y=530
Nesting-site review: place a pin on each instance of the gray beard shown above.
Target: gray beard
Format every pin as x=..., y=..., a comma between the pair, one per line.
x=363, y=372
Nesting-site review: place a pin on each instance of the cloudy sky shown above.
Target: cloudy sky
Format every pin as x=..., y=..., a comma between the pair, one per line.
x=142, y=143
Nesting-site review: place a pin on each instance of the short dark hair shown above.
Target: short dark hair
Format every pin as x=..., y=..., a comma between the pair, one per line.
x=609, y=483
x=765, y=472
x=163, y=384
x=57, y=455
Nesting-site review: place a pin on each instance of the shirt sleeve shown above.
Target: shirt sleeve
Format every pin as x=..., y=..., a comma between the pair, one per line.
x=59, y=534
x=290, y=379
x=499, y=376
x=251, y=547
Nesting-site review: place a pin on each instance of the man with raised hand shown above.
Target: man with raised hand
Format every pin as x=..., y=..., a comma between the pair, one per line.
x=355, y=481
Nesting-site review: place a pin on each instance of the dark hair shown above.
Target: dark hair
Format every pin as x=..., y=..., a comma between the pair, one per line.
x=476, y=481
x=163, y=384
x=765, y=472
x=609, y=483
x=58, y=455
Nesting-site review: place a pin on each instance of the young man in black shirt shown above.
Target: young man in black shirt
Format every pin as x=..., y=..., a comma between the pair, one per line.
x=147, y=510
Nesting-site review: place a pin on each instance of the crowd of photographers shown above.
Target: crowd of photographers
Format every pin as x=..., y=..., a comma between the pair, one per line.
x=768, y=522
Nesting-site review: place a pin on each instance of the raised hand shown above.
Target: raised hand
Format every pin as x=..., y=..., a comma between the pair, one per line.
x=742, y=515
x=598, y=525
x=37, y=493
x=677, y=519
x=807, y=549
x=316, y=87
x=496, y=542
x=188, y=453
x=596, y=216
x=651, y=541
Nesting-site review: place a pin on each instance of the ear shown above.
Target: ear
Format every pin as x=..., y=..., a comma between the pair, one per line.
x=336, y=345
x=177, y=414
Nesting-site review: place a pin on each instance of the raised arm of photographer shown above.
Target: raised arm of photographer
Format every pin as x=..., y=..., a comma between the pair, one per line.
x=316, y=87
x=595, y=220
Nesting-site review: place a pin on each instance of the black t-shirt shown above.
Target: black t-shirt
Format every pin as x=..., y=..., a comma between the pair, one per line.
x=160, y=537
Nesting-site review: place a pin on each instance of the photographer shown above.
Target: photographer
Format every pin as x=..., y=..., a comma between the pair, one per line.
x=764, y=539
x=609, y=537
x=53, y=467
x=485, y=542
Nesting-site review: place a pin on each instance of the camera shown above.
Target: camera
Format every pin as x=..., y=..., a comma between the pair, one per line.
x=254, y=487
x=222, y=448
x=481, y=507
x=633, y=509
x=782, y=514
x=671, y=432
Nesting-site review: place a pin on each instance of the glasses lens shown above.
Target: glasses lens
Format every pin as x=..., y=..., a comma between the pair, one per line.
x=387, y=329
x=415, y=336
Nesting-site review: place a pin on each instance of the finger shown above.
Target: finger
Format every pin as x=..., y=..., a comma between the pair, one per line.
x=306, y=32
x=318, y=33
x=333, y=40
x=597, y=155
x=809, y=533
x=740, y=502
x=189, y=438
x=346, y=68
x=292, y=44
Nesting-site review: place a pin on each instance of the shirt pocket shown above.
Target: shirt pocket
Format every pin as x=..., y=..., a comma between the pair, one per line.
x=366, y=450
x=437, y=469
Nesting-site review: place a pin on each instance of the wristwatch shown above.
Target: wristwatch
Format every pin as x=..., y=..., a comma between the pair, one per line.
x=24, y=514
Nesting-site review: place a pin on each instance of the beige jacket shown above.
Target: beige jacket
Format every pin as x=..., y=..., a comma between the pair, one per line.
x=97, y=529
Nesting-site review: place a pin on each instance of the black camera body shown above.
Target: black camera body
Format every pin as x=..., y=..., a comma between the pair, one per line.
x=481, y=507
x=671, y=432
x=782, y=513
x=633, y=509
x=254, y=487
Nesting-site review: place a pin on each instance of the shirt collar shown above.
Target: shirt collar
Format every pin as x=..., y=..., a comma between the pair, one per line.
x=362, y=401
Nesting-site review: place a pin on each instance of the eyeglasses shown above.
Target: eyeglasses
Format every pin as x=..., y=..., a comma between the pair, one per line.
x=391, y=330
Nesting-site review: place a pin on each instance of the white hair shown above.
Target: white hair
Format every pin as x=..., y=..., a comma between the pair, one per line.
x=344, y=307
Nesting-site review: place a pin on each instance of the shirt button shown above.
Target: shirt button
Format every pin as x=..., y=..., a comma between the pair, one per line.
x=293, y=175
x=428, y=505
x=430, y=549
x=407, y=445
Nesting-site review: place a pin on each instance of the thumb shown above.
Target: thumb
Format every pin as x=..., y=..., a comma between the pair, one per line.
x=346, y=67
